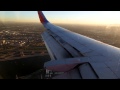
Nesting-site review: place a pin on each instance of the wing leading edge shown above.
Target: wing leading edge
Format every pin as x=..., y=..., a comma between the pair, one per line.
x=78, y=56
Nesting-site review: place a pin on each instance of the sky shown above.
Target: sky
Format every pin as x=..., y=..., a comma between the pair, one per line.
x=65, y=17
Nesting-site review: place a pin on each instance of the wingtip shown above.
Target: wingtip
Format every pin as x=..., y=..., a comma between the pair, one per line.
x=42, y=17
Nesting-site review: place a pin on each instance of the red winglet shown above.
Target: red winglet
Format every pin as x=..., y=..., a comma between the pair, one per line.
x=42, y=17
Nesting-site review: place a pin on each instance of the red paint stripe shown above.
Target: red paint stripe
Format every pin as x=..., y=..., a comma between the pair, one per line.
x=41, y=17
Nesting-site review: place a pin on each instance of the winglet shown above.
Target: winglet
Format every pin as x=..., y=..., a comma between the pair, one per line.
x=42, y=17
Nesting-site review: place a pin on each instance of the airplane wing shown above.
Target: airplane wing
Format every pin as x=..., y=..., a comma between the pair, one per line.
x=78, y=57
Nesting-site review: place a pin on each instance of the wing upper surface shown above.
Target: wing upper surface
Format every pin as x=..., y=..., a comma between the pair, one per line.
x=102, y=60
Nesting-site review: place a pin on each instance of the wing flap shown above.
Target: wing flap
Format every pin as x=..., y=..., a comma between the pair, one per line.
x=104, y=71
x=87, y=72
